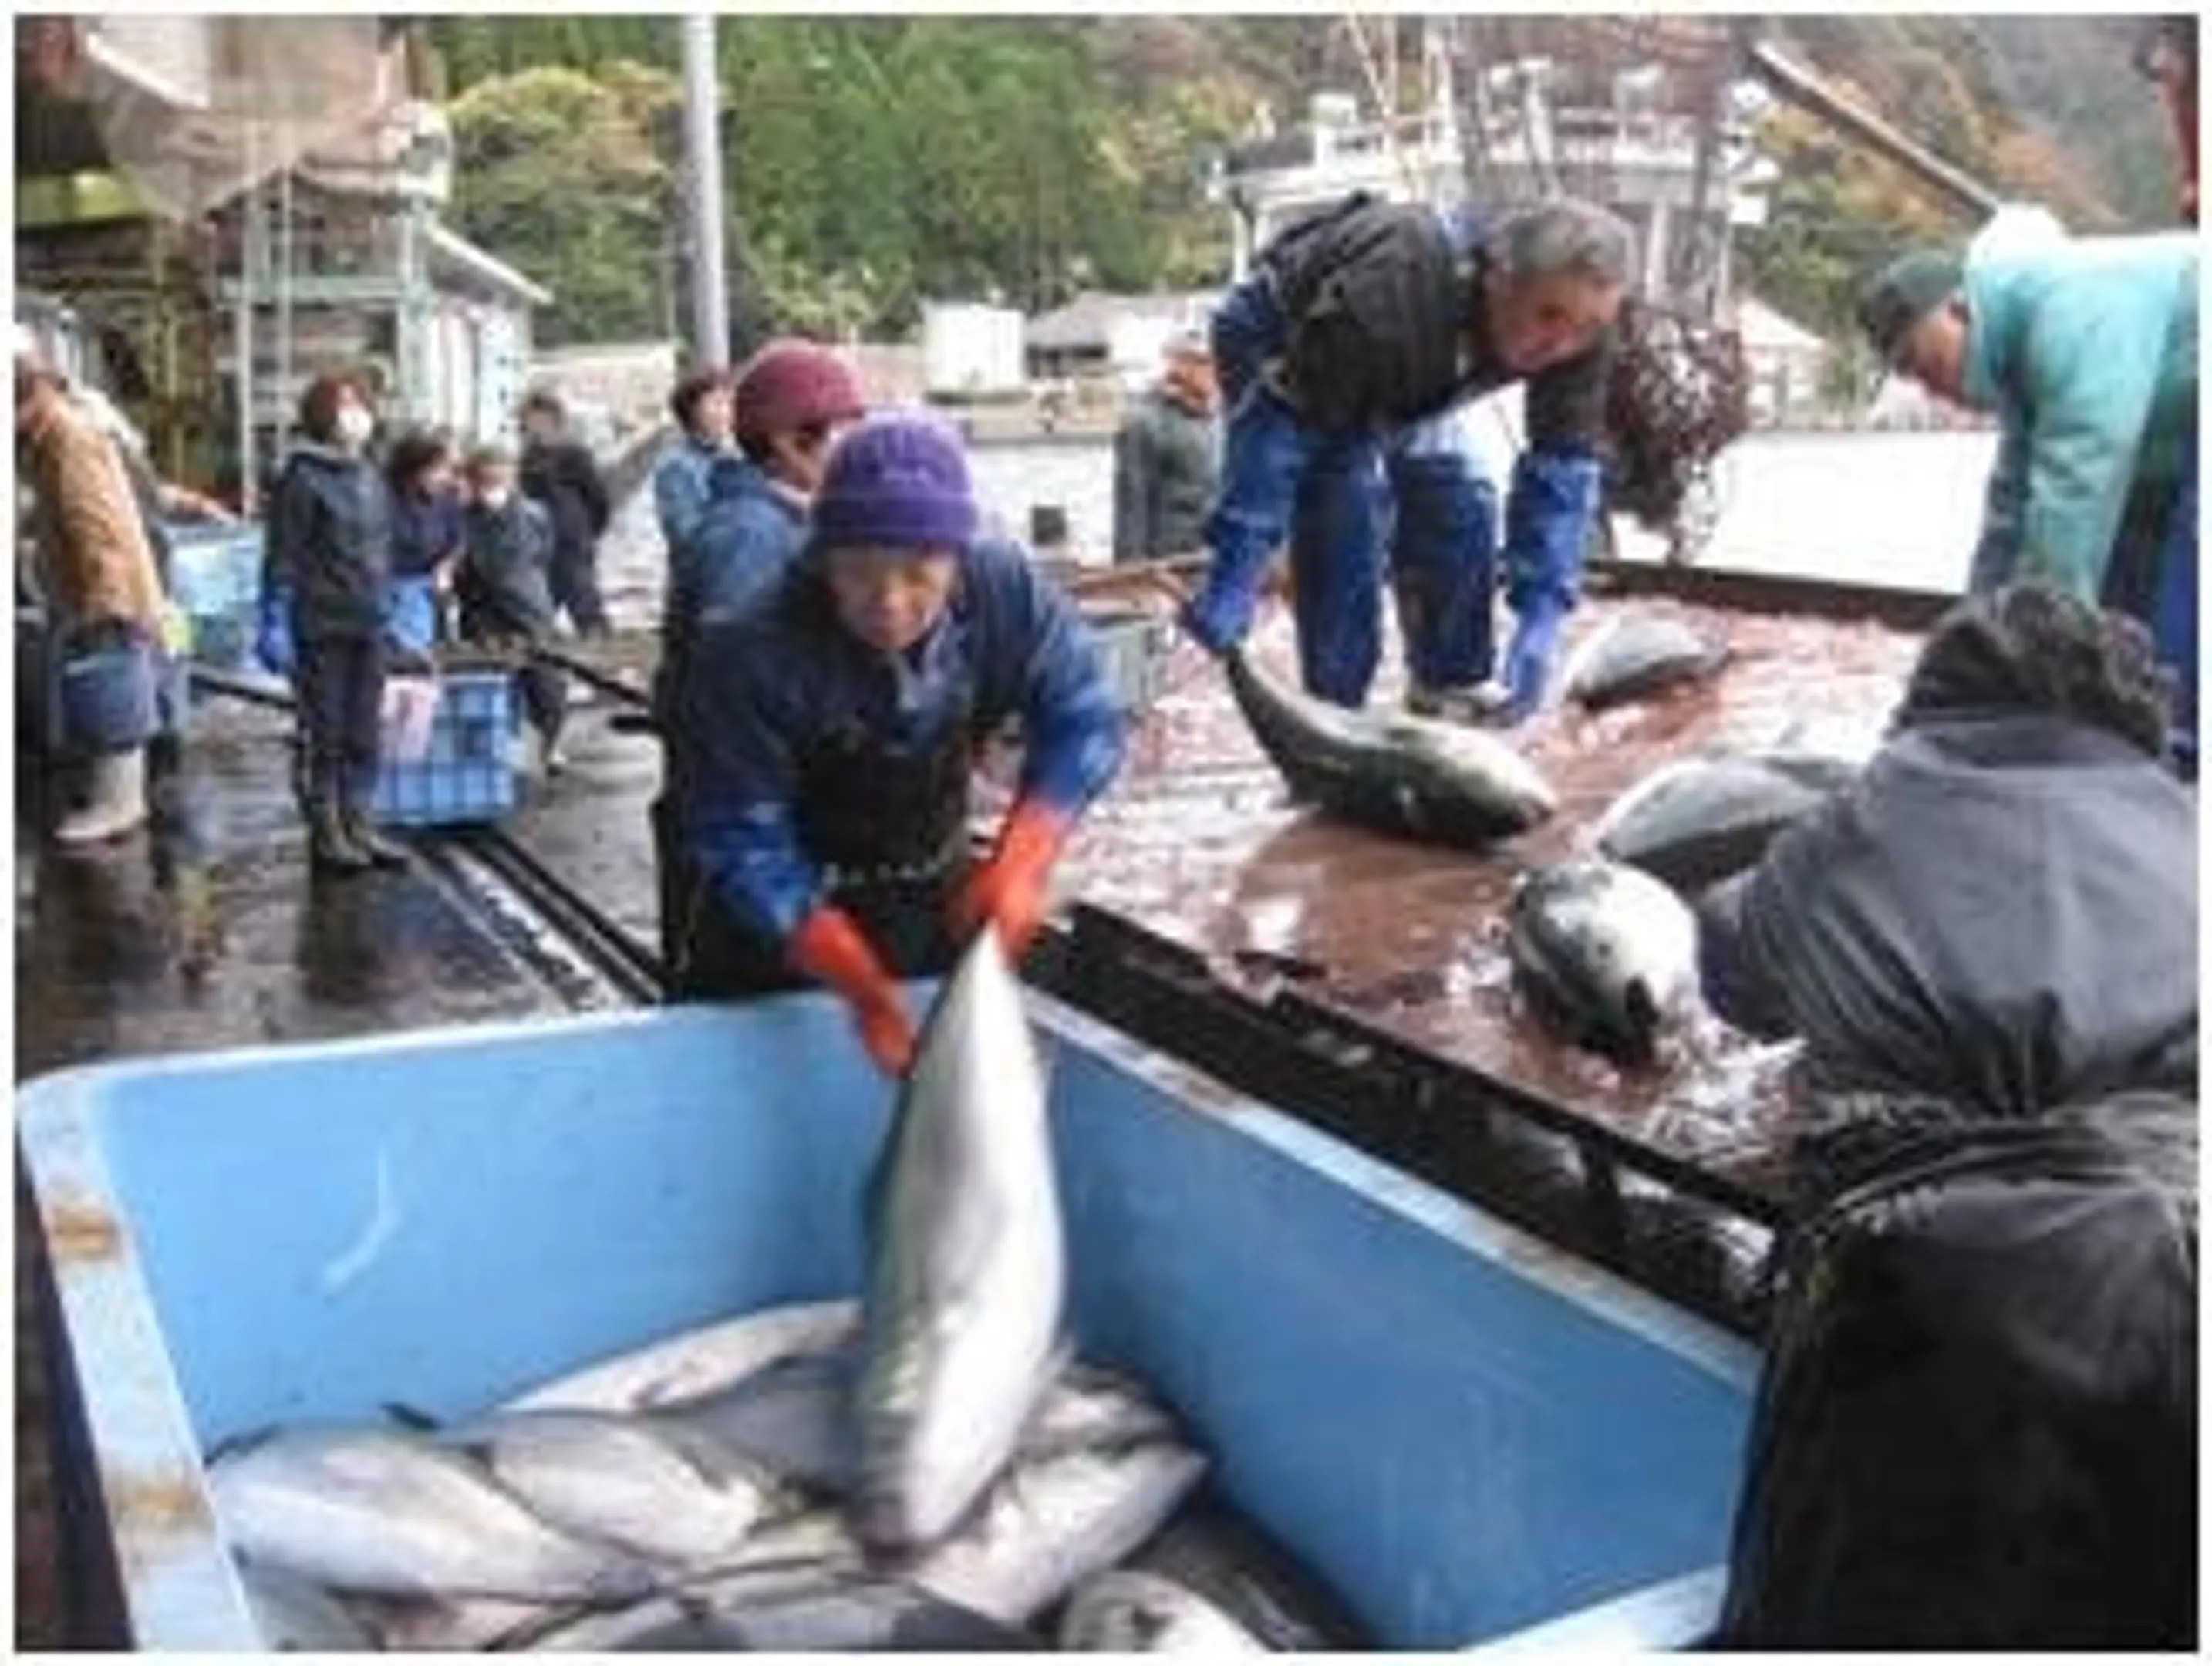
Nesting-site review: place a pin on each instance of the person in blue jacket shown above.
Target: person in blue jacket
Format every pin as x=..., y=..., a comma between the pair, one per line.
x=326, y=562
x=833, y=731
x=2085, y=349
x=793, y=398
x=701, y=407
x=426, y=540
x=1341, y=358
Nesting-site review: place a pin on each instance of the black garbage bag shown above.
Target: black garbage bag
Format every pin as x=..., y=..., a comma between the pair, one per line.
x=1977, y=1424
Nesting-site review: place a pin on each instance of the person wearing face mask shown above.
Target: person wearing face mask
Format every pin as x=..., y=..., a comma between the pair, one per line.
x=832, y=729
x=791, y=399
x=504, y=588
x=2085, y=348
x=1341, y=359
x=324, y=577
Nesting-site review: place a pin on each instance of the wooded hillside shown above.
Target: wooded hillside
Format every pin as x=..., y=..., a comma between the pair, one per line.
x=873, y=163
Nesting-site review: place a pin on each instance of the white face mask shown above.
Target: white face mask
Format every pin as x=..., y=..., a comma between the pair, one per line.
x=355, y=425
x=496, y=501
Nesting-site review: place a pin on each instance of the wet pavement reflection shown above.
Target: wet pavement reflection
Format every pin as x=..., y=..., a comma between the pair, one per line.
x=208, y=930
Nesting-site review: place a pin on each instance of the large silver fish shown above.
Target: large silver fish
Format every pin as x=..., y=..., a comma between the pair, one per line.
x=1608, y=951
x=798, y=1556
x=298, y=1616
x=699, y=1362
x=650, y=1489
x=1214, y=1551
x=1696, y=822
x=967, y=1263
x=1417, y=777
x=1130, y=1611
x=1636, y=656
x=1056, y=1523
x=391, y=1513
x=795, y=1420
x=807, y=1584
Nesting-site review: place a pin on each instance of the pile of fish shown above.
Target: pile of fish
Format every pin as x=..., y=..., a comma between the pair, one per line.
x=926, y=1468
x=1419, y=778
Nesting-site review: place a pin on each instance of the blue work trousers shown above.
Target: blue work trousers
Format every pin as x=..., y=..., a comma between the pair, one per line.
x=1334, y=496
x=2174, y=615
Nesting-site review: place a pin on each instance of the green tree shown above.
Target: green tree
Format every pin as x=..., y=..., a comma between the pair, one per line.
x=559, y=172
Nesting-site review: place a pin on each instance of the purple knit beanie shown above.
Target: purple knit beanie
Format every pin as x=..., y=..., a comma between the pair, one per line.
x=899, y=481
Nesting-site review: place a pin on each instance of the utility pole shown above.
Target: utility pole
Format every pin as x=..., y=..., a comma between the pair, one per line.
x=702, y=169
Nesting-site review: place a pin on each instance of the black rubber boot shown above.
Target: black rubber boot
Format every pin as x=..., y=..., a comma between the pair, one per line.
x=329, y=848
x=372, y=844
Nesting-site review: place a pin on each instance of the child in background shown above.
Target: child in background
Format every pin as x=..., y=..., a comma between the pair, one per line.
x=505, y=592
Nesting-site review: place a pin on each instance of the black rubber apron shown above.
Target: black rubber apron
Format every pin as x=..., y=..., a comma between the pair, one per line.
x=888, y=825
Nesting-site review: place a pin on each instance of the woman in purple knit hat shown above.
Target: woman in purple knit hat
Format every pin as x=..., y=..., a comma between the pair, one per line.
x=832, y=729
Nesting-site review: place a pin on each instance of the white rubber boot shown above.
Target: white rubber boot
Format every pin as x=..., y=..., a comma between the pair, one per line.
x=118, y=804
x=1476, y=704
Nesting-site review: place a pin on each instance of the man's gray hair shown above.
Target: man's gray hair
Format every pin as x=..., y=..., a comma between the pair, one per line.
x=1561, y=237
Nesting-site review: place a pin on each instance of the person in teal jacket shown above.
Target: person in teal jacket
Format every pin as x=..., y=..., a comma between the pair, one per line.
x=2086, y=351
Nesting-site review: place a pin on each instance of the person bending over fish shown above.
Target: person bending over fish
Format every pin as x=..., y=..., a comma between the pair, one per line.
x=831, y=732
x=2085, y=349
x=1342, y=358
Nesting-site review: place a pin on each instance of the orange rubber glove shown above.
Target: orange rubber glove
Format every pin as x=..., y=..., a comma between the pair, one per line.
x=1009, y=889
x=829, y=945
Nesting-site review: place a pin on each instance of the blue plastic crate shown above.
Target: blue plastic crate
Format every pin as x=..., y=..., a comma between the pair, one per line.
x=468, y=775
x=224, y=641
x=216, y=572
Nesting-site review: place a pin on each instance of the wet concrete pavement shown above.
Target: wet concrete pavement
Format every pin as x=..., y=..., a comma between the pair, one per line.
x=208, y=930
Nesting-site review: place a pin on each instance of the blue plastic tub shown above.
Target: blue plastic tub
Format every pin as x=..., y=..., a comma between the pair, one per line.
x=1467, y=1432
x=215, y=579
x=468, y=774
x=214, y=569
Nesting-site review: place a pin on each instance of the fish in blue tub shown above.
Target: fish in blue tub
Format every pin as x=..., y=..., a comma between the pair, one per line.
x=967, y=1263
x=1130, y=1611
x=388, y=1511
